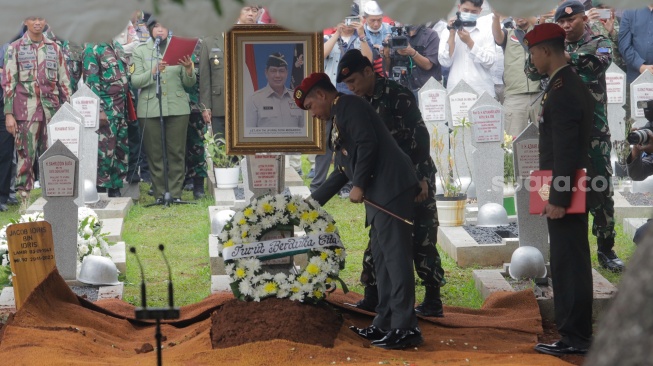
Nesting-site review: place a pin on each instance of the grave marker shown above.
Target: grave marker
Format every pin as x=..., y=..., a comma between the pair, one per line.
x=66, y=126
x=641, y=90
x=532, y=228
x=87, y=104
x=486, y=116
x=60, y=169
x=263, y=174
x=434, y=105
x=461, y=99
x=32, y=256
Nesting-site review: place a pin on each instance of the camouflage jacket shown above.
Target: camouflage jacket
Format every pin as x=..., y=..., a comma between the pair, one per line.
x=597, y=27
x=105, y=72
x=35, y=78
x=397, y=107
x=590, y=57
x=194, y=91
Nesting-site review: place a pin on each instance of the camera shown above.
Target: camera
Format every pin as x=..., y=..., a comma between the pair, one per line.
x=350, y=20
x=399, y=39
x=459, y=24
x=509, y=23
x=640, y=137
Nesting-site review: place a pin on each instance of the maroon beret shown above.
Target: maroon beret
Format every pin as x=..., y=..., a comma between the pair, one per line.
x=307, y=84
x=543, y=32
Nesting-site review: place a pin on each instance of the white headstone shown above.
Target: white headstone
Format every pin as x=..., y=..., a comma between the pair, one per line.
x=59, y=169
x=263, y=174
x=615, y=80
x=486, y=116
x=526, y=157
x=641, y=90
x=461, y=99
x=434, y=104
x=88, y=105
x=66, y=126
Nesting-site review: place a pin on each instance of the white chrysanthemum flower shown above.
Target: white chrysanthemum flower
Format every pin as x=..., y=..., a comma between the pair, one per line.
x=245, y=288
x=223, y=236
x=280, y=277
x=229, y=268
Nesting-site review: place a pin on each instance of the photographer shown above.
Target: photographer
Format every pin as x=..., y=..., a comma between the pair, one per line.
x=640, y=160
x=420, y=56
x=468, y=51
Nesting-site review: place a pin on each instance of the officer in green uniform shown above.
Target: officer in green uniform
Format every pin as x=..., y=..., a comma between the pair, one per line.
x=590, y=55
x=397, y=107
x=195, y=160
x=105, y=73
x=175, y=109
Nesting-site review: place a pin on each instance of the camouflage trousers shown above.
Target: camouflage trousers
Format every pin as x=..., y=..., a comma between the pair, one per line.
x=31, y=141
x=426, y=258
x=195, y=159
x=113, y=153
x=603, y=213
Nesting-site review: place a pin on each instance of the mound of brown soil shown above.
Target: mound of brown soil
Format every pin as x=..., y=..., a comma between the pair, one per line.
x=238, y=322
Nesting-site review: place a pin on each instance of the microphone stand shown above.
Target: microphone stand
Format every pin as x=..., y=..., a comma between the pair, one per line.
x=167, y=198
x=157, y=314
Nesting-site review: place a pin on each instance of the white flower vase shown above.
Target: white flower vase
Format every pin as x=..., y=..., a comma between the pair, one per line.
x=451, y=210
x=227, y=177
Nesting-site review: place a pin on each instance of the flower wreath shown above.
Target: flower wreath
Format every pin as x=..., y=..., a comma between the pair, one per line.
x=247, y=226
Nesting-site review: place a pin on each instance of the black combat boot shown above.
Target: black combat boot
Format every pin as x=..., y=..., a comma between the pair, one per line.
x=198, y=187
x=371, y=299
x=432, y=304
x=607, y=257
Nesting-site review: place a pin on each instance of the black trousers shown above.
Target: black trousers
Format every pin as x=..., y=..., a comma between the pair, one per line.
x=392, y=250
x=6, y=160
x=322, y=162
x=571, y=274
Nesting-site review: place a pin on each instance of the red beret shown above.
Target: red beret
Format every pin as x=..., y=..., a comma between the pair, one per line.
x=543, y=32
x=307, y=84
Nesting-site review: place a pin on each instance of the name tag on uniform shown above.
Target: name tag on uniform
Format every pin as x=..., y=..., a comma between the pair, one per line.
x=49, y=64
x=26, y=54
x=216, y=50
x=268, y=107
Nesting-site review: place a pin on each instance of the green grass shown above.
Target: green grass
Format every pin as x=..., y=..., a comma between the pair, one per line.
x=184, y=230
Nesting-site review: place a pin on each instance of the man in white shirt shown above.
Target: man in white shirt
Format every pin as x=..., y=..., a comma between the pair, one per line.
x=468, y=51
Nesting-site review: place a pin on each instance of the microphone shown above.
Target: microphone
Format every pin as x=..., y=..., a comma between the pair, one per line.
x=157, y=41
x=171, y=301
x=143, y=293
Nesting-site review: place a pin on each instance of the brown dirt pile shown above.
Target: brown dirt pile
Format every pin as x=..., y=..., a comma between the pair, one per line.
x=54, y=327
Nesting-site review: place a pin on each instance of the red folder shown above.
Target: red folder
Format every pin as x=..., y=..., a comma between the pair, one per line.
x=177, y=48
x=539, y=186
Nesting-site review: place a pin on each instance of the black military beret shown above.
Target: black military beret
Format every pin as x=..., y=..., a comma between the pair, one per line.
x=276, y=59
x=353, y=61
x=568, y=8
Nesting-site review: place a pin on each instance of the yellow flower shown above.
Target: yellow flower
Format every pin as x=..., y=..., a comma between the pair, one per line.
x=338, y=251
x=323, y=256
x=317, y=293
x=248, y=212
x=302, y=279
x=291, y=207
x=312, y=269
x=268, y=208
x=244, y=234
x=270, y=287
x=240, y=272
x=313, y=215
x=229, y=243
x=294, y=289
x=242, y=221
x=329, y=280
x=330, y=228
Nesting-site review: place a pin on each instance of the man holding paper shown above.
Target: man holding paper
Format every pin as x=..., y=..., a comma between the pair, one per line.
x=565, y=123
x=175, y=108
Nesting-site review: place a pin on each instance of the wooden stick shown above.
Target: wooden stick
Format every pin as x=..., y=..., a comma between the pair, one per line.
x=380, y=208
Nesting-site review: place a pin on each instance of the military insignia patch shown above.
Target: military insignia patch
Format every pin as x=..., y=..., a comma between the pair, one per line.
x=568, y=10
x=10, y=52
x=525, y=42
x=298, y=94
x=345, y=71
x=132, y=68
x=557, y=84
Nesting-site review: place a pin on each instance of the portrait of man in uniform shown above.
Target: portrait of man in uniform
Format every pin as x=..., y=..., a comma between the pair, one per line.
x=269, y=110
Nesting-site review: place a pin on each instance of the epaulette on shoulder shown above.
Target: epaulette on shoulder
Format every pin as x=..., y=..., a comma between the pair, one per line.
x=558, y=83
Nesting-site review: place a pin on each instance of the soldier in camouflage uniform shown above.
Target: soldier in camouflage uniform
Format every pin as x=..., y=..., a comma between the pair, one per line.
x=105, y=72
x=72, y=53
x=590, y=55
x=195, y=158
x=397, y=107
x=36, y=83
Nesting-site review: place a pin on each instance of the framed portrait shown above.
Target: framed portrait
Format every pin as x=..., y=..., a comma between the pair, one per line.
x=264, y=64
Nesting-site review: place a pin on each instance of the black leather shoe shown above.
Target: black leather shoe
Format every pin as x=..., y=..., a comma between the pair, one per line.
x=610, y=261
x=559, y=348
x=133, y=178
x=3, y=207
x=114, y=192
x=366, y=304
x=101, y=189
x=400, y=338
x=371, y=333
x=430, y=309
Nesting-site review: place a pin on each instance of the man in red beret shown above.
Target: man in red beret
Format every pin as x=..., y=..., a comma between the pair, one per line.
x=381, y=173
x=565, y=124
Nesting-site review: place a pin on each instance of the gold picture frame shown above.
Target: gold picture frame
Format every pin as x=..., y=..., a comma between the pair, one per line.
x=258, y=120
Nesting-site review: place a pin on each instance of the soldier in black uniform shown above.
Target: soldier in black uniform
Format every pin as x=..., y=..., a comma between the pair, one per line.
x=366, y=154
x=397, y=107
x=565, y=123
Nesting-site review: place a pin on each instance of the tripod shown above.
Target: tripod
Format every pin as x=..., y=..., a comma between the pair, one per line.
x=167, y=197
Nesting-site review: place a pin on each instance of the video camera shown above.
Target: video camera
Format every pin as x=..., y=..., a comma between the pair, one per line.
x=640, y=137
x=458, y=24
x=399, y=38
x=509, y=23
